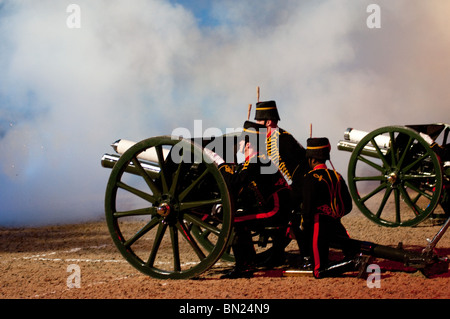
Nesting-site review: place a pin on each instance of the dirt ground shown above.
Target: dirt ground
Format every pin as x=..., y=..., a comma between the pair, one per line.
x=41, y=263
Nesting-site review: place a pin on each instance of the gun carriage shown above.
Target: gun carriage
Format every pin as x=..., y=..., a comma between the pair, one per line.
x=166, y=193
x=398, y=175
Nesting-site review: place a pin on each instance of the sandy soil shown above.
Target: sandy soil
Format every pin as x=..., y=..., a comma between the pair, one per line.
x=36, y=263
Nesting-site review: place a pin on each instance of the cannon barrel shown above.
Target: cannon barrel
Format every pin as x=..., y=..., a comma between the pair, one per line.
x=122, y=145
x=109, y=160
x=147, y=159
x=352, y=137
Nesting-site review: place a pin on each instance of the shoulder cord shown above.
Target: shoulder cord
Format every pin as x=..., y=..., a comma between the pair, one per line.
x=274, y=153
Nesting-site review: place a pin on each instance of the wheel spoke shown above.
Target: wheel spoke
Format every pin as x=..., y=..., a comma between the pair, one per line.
x=158, y=238
x=397, y=206
x=192, y=186
x=199, y=203
x=190, y=239
x=419, y=191
x=372, y=193
x=392, y=149
x=136, y=212
x=144, y=230
x=416, y=210
x=175, y=248
x=136, y=192
x=370, y=178
x=175, y=178
x=199, y=222
x=405, y=151
x=380, y=154
x=370, y=163
x=156, y=192
x=387, y=193
x=407, y=168
x=161, y=161
x=408, y=177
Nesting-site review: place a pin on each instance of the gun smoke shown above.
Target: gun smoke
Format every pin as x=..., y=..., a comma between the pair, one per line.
x=141, y=69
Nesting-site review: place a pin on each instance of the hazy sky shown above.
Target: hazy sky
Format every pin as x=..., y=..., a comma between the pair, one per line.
x=136, y=69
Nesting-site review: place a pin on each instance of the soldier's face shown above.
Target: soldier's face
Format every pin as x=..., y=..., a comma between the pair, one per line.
x=249, y=150
x=241, y=146
x=311, y=162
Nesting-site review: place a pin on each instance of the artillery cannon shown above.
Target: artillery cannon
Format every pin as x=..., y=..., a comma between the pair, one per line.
x=404, y=167
x=172, y=185
x=166, y=193
x=167, y=187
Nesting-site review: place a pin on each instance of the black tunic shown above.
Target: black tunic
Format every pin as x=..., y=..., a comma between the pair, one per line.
x=325, y=200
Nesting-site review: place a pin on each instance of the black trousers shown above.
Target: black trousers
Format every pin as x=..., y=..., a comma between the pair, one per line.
x=246, y=221
x=326, y=232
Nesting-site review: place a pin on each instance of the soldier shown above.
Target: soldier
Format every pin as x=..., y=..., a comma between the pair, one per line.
x=282, y=148
x=288, y=155
x=326, y=200
x=261, y=197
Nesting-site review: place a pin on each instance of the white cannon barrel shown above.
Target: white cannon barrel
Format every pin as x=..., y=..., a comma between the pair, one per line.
x=109, y=160
x=355, y=136
x=352, y=137
x=121, y=146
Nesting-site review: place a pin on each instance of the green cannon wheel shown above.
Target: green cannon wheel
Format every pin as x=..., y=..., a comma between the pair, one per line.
x=398, y=183
x=206, y=238
x=151, y=213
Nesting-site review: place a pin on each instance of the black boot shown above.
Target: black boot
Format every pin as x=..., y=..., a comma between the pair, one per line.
x=244, y=254
x=239, y=272
x=335, y=270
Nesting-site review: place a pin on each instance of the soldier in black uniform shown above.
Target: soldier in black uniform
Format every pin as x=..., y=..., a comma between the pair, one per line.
x=326, y=200
x=289, y=156
x=282, y=148
x=261, y=197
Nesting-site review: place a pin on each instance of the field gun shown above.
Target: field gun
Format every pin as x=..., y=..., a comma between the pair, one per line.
x=167, y=193
x=398, y=175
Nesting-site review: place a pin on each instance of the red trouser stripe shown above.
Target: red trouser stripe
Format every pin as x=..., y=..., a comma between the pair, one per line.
x=316, y=245
x=276, y=207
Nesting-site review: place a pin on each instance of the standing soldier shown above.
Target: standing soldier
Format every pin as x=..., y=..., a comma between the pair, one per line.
x=288, y=155
x=282, y=148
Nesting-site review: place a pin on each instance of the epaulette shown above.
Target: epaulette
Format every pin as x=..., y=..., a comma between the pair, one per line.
x=226, y=168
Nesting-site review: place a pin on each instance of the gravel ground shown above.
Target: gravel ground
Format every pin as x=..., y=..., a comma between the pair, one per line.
x=41, y=263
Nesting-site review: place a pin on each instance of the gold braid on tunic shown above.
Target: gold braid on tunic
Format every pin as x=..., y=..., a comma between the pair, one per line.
x=274, y=153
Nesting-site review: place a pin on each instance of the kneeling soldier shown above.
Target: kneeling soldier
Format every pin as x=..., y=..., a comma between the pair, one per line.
x=326, y=200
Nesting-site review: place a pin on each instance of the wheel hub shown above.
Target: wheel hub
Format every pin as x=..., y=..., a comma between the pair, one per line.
x=392, y=178
x=163, y=209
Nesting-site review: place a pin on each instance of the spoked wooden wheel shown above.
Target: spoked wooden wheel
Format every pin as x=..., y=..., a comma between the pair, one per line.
x=207, y=238
x=398, y=183
x=151, y=208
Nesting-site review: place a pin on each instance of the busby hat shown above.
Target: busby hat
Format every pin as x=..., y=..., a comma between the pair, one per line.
x=266, y=110
x=252, y=127
x=251, y=130
x=318, y=148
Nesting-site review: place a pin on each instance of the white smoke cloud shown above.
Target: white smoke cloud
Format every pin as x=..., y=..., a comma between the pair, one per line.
x=143, y=68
